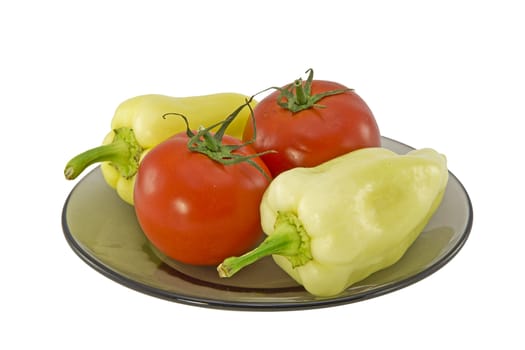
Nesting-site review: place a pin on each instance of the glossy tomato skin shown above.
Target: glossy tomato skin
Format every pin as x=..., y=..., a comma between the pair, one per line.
x=312, y=136
x=194, y=209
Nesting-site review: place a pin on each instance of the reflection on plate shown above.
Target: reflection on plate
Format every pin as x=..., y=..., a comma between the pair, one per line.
x=103, y=231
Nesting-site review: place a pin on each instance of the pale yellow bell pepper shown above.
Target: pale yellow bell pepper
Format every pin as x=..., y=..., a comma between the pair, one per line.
x=333, y=225
x=139, y=124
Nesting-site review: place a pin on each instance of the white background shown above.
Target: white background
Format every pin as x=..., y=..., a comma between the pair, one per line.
x=443, y=74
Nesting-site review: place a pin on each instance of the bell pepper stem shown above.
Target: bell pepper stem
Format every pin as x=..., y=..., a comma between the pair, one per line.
x=289, y=239
x=114, y=152
x=274, y=244
x=124, y=153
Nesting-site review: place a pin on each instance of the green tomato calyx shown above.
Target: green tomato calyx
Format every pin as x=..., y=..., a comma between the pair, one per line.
x=297, y=96
x=210, y=144
x=289, y=239
x=123, y=153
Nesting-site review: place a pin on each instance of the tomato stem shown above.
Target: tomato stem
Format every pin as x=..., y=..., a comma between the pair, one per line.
x=289, y=239
x=301, y=97
x=123, y=152
x=298, y=96
x=203, y=141
x=210, y=141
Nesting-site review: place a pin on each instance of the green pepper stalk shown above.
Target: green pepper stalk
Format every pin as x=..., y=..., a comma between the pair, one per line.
x=123, y=152
x=288, y=239
x=138, y=125
x=333, y=225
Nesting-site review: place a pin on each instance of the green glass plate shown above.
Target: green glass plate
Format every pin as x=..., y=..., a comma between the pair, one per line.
x=103, y=231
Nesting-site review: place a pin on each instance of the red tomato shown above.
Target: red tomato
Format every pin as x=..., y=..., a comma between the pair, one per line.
x=342, y=123
x=194, y=209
